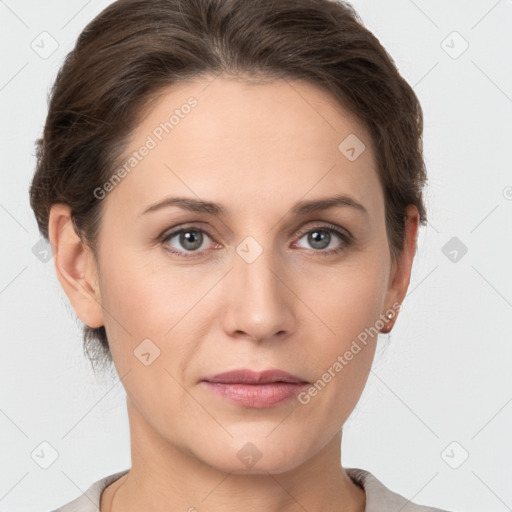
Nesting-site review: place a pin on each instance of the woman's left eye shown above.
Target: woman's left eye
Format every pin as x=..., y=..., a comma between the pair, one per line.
x=320, y=239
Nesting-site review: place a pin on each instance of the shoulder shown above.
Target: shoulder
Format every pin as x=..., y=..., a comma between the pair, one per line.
x=381, y=499
x=89, y=501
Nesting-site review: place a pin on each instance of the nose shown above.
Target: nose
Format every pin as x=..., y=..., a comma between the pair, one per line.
x=259, y=303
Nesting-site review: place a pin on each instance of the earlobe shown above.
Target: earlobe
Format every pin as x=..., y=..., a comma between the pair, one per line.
x=75, y=266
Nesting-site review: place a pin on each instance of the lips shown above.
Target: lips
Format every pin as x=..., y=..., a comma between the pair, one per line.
x=246, y=376
x=255, y=389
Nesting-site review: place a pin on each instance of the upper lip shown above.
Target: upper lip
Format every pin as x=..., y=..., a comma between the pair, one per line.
x=246, y=376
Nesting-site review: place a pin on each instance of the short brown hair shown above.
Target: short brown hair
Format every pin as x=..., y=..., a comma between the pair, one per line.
x=135, y=48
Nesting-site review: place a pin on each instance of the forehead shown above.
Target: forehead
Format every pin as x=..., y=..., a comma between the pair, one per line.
x=230, y=141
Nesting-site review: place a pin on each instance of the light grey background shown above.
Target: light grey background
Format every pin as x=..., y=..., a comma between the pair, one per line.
x=440, y=391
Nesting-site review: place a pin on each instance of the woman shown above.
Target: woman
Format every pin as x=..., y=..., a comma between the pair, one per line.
x=233, y=192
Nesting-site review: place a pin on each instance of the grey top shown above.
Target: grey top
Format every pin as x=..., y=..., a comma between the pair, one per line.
x=378, y=497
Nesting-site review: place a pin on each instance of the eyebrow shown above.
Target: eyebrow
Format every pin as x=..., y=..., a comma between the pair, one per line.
x=300, y=208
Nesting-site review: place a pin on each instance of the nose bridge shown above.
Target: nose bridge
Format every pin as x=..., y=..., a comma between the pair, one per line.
x=259, y=303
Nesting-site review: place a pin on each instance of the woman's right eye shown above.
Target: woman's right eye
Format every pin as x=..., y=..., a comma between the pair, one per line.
x=188, y=240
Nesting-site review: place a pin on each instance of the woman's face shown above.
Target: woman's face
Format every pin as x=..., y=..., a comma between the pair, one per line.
x=263, y=285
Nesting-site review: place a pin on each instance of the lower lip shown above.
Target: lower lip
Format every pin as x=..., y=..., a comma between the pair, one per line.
x=257, y=396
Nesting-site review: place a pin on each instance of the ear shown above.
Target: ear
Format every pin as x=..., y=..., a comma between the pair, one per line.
x=75, y=266
x=400, y=274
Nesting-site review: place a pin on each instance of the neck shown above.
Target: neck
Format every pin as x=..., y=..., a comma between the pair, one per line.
x=166, y=477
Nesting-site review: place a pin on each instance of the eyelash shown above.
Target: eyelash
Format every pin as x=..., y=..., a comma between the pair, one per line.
x=345, y=237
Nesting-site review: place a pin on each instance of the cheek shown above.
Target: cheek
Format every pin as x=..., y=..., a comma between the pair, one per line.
x=147, y=299
x=133, y=297
x=346, y=303
x=157, y=301
x=144, y=311
x=345, y=299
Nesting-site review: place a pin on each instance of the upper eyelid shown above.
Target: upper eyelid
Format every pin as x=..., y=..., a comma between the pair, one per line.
x=328, y=226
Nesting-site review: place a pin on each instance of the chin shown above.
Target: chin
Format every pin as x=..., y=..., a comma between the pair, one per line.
x=255, y=456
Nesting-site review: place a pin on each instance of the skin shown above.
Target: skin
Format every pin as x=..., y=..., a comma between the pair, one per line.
x=257, y=150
